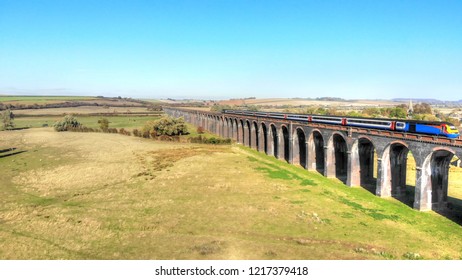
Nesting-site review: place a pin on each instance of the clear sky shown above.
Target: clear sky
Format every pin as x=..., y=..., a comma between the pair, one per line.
x=219, y=49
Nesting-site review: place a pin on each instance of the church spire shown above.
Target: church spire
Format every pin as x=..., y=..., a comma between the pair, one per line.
x=410, y=109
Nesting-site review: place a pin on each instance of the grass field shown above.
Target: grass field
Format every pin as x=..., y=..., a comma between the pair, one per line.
x=105, y=196
x=82, y=110
x=89, y=121
x=22, y=99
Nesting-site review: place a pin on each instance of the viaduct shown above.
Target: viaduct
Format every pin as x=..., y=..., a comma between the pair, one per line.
x=346, y=153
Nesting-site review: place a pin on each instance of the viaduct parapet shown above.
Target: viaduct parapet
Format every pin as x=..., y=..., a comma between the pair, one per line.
x=346, y=153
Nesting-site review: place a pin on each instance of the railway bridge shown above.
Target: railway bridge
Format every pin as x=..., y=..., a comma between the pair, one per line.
x=346, y=153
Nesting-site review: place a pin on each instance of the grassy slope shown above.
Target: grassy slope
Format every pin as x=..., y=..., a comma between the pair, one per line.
x=101, y=196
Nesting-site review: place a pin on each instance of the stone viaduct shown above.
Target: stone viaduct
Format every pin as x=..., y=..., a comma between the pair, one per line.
x=346, y=153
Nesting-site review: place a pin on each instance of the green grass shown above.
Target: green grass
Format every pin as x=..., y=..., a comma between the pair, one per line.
x=104, y=196
x=89, y=121
x=41, y=99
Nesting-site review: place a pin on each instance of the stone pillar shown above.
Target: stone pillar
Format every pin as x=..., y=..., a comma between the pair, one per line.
x=261, y=140
x=329, y=162
x=296, y=150
x=290, y=132
x=281, y=147
x=291, y=147
x=383, y=188
x=353, y=170
x=270, y=140
x=311, y=155
x=245, y=141
x=253, y=137
x=423, y=189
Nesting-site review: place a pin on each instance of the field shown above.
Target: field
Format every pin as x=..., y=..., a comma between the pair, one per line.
x=105, y=196
x=11, y=99
x=81, y=110
x=308, y=102
x=88, y=121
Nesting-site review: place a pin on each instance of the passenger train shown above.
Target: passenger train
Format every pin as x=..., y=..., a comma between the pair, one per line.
x=412, y=126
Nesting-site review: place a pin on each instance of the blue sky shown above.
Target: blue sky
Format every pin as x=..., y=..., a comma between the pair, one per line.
x=217, y=49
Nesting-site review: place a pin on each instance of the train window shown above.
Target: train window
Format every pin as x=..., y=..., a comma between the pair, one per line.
x=326, y=119
x=370, y=122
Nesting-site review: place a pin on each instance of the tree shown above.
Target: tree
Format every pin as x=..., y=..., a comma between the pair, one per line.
x=423, y=108
x=7, y=120
x=398, y=113
x=66, y=123
x=166, y=126
x=103, y=124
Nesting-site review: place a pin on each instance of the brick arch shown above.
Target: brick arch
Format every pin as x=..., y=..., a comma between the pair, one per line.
x=316, y=157
x=274, y=139
x=393, y=169
x=235, y=130
x=284, y=143
x=299, y=150
x=337, y=157
x=434, y=180
x=226, y=127
x=255, y=131
x=241, y=131
x=362, y=164
x=263, y=138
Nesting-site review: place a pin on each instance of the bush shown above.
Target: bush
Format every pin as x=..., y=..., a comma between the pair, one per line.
x=170, y=126
x=165, y=126
x=7, y=120
x=124, y=132
x=204, y=140
x=103, y=124
x=200, y=130
x=67, y=123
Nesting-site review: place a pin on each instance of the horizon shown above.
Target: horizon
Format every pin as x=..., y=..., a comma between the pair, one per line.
x=219, y=50
x=401, y=99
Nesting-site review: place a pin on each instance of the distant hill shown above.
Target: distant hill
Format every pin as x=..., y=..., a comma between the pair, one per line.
x=425, y=100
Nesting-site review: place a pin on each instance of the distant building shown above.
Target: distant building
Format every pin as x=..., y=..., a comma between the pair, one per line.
x=410, y=109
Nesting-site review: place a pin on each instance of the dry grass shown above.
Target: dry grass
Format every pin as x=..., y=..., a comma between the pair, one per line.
x=104, y=196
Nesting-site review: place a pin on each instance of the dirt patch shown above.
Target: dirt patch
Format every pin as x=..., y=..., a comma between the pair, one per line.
x=156, y=161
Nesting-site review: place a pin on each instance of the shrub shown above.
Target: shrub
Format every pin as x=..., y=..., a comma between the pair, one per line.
x=103, y=124
x=168, y=126
x=200, y=130
x=7, y=120
x=67, y=123
x=212, y=140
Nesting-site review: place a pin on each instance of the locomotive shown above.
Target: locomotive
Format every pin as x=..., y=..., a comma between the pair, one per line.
x=445, y=129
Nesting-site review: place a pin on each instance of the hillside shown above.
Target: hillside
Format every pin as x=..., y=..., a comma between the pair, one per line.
x=104, y=196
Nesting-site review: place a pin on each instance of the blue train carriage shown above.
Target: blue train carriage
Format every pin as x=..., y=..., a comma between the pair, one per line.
x=432, y=128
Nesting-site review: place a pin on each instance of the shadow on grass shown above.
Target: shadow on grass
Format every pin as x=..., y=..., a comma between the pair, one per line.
x=9, y=152
x=19, y=128
x=453, y=211
x=369, y=185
